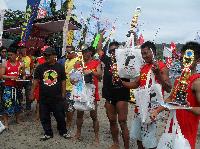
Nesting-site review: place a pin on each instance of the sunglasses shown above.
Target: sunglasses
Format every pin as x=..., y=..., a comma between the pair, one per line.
x=70, y=52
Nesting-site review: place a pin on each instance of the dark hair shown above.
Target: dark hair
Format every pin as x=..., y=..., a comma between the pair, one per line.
x=72, y=47
x=150, y=45
x=13, y=48
x=193, y=46
x=114, y=43
x=90, y=49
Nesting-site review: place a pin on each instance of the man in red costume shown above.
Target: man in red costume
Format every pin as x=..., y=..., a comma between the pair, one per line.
x=145, y=133
x=188, y=119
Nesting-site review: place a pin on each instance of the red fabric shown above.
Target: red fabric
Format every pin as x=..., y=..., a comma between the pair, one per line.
x=144, y=71
x=92, y=65
x=11, y=71
x=187, y=120
x=40, y=60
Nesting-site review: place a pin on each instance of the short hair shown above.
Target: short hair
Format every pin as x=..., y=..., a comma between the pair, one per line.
x=114, y=43
x=72, y=47
x=150, y=45
x=13, y=48
x=193, y=46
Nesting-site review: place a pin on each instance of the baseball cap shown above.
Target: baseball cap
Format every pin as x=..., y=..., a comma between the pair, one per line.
x=50, y=51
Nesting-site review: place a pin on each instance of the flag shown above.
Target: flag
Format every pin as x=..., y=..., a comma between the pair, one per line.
x=141, y=39
x=172, y=46
x=42, y=13
x=167, y=52
x=30, y=15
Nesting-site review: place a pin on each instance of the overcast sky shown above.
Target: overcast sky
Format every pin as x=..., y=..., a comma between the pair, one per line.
x=178, y=20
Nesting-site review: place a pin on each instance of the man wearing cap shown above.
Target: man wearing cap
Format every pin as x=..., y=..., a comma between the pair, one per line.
x=51, y=79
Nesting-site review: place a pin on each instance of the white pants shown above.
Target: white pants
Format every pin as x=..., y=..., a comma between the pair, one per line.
x=146, y=133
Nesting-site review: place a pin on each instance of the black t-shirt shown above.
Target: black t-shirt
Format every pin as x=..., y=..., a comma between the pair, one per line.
x=110, y=90
x=50, y=77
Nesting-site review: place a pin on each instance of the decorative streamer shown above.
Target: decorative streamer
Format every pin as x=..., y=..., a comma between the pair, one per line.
x=132, y=34
x=70, y=37
x=66, y=24
x=94, y=19
x=96, y=41
x=2, y=12
x=30, y=15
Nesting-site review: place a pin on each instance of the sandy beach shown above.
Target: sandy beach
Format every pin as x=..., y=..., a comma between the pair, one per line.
x=27, y=134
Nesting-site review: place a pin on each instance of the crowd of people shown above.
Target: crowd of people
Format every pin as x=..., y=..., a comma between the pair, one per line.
x=47, y=80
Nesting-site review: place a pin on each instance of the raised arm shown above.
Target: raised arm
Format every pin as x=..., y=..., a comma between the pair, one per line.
x=196, y=90
x=100, y=44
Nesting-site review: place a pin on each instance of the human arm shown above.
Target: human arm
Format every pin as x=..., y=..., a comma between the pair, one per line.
x=63, y=82
x=34, y=85
x=63, y=89
x=100, y=44
x=196, y=90
x=163, y=76
x=133, y=84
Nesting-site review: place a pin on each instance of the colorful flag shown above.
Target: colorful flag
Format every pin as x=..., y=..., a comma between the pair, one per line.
x=30, y=16
x=42, y=13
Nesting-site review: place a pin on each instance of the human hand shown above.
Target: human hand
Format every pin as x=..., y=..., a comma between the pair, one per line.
x=154, y=114
x=155, y=68
x=87, y=71
x=13, y=77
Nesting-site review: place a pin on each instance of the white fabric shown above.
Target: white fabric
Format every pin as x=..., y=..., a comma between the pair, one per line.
x=82, y=93
x=147, y=97
x=129, y=62
x=2, y=127
x=2, y=12
x=144, y=132
x=175, y=139
x=167, y=52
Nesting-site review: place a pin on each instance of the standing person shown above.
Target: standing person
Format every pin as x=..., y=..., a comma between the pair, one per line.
x=69, y=65
x=92, y=68
x=10, y=72
x=3, y=55
x=116, y=96
x=2, y=61
x=188, y=120
x=145, y=133
x=50, y=77
x=28, y=62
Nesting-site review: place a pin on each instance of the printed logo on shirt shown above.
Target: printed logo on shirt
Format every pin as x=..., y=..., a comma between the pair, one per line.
x=50, y=77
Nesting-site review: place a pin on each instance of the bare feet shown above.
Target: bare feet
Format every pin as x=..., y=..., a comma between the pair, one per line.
x=77, y=137
x=114, y=146
x=18, y=121
x=95, y=144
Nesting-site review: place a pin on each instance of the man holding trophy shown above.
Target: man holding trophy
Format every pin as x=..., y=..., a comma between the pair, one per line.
x=186, y=94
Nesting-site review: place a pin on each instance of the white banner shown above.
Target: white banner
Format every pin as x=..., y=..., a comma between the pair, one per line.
x=2, y=12
x=129, y=62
